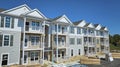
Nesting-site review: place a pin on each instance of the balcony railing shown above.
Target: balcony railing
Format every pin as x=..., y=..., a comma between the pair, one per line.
x=30, y=45
x=59, y=45
x=33, y=28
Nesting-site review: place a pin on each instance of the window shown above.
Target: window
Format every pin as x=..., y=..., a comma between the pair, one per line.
x=71, y=52
x=35, y=25
x=72, y=40
x=64, y=29
x=35, y=40
x=79, y=41
x=6, y=40
x=78, y=30
x=55, y=28
x=7, y=22
x=85, y=31
x=34, y=56
x=97, y=41
x=63, y=40
x=72, y=29
x=59, y=28
x=79, y=51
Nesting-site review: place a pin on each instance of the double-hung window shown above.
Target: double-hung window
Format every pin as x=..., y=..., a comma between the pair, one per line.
x=78, y=30
x=79, y=41
x=72, y=41
x=6, y=40
x=72, y=29
x=35, y=25
x=34, y=56
x=6, y=21
x=35, y=40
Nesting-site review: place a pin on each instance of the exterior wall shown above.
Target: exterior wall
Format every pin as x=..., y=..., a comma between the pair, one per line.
x=75, y=47
x=13, y=51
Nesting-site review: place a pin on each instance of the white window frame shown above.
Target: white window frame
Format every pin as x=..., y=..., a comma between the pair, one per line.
x=35, y=26
x=5, y=21
x=79, y=39
x=35, y=43
x=34, y=56
x=3, y=40
x=78, y=30
x=2, y=57
x=70, y=41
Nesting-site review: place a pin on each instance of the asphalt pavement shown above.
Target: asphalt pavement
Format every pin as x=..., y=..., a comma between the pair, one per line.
x=105, y=63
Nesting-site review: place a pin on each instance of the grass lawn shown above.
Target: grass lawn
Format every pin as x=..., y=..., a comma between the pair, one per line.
x=112, y=47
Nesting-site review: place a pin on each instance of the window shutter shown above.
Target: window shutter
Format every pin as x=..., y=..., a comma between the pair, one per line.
x=1, y=39
x=2, y=21
x=12, y=23
x=11, y=40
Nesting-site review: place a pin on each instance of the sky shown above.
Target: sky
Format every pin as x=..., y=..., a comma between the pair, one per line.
x=104, y=12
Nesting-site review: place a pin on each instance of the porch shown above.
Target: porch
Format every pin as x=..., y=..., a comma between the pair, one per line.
x=33, y=57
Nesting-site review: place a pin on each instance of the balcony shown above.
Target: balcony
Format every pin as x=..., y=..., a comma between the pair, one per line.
x=60, y=45
x=33, y=29
x=32, y=46
x=90, y=44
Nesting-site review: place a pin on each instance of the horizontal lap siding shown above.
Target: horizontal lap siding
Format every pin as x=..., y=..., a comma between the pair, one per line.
x=13, y=51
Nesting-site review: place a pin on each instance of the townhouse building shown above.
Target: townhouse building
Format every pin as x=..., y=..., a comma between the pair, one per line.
x=29, y=37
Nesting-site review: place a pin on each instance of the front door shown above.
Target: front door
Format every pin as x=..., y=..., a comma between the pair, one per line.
x=4, y=59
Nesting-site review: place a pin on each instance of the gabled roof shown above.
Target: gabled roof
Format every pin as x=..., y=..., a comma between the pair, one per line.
x=1, y=9
x=62, y=18
x=97, y=26
x=80, y=23
x=77, y=22
x=18, y=10
x=34, y=13
x=90, y=25
x=104, y=28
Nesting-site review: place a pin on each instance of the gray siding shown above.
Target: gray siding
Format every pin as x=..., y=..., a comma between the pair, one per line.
x=13, y=51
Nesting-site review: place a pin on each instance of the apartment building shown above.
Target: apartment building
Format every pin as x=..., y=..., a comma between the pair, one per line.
x=29, y=37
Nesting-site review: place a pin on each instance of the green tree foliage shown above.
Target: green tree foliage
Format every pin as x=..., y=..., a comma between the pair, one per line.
x=115, y=39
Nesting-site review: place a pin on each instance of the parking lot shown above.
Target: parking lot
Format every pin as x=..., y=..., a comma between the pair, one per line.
x=104, y=63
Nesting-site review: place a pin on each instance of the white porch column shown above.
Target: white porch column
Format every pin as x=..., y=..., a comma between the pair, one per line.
x=49, y=37
x=57, y=44
x=23, y=42
x=43, y=39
